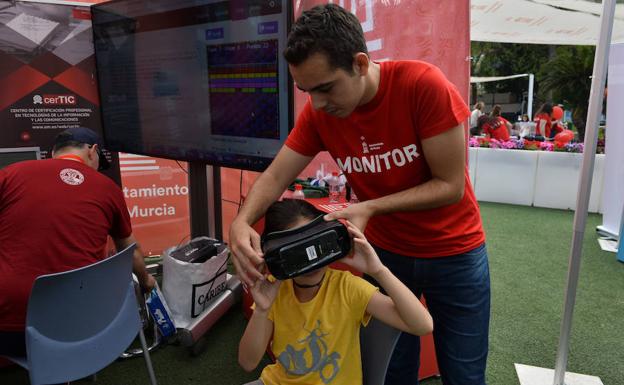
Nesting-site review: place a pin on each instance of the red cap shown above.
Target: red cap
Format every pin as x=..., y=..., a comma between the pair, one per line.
x=298, y=186
x=335, y=173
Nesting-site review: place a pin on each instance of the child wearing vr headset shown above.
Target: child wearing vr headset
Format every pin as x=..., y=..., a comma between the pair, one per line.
x=315, y=318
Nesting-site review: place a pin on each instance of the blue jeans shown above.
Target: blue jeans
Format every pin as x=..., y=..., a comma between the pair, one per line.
x=457, y=291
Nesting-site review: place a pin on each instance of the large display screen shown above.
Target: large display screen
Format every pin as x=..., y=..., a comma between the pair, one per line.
x=195, y=80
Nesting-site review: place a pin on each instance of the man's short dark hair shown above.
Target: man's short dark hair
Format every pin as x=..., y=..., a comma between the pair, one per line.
x=68, y=144
x=327, y=29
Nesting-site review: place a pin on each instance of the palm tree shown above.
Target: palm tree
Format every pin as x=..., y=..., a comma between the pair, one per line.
x=568, y=76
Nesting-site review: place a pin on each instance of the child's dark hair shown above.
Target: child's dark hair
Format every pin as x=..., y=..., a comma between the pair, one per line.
x=328, y=29
x=282, y=214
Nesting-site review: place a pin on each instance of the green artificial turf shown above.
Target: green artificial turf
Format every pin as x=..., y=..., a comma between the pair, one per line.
x=528, y=249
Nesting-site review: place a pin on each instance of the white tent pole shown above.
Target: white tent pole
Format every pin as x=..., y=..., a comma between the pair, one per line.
x=584, y=187
x=530, y=99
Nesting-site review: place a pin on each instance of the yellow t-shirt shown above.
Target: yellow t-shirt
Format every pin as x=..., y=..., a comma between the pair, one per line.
x=318, y=342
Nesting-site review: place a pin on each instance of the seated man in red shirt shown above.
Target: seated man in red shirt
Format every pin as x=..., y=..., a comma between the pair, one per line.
x=56, y=215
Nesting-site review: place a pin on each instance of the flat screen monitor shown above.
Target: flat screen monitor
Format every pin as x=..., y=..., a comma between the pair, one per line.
x=13, y=155
x=200, y=80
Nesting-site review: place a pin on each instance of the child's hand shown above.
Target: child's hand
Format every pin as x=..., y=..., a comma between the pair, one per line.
x=365, y=258
x=264, y=293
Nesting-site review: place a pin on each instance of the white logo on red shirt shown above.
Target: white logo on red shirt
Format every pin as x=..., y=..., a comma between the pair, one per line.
x=397, y=157
x=71, y=176
x=364, y=145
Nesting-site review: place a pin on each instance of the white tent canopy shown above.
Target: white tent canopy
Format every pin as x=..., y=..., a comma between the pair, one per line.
x=567, y=22
x=583, y=6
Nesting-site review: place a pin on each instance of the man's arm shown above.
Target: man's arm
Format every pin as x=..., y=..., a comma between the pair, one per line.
x=244, y=240
x=446, y=156
x=146, y=281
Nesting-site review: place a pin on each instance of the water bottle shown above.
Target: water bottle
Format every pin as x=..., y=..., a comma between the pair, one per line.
x=298, y=193
x=334, y=187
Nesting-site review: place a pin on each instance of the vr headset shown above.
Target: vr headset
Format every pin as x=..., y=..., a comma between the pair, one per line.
x=294, y=252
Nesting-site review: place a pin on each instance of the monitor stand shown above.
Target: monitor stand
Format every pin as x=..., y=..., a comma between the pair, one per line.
x=205, y=200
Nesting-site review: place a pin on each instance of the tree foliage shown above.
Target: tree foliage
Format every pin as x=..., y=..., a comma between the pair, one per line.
x=566, y=75
x=502, y=59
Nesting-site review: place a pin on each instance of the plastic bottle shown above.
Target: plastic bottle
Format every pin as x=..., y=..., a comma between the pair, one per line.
x=298, y=193
x=334, y=187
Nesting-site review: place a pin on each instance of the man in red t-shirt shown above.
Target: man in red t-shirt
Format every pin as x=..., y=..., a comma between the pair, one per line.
x=56, y=215
x=396, y=131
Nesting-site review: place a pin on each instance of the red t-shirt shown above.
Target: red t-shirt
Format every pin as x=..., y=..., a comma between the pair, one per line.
x=542, y=124
x=497, y=129
x=378, y=149
x=557, y=127
x=55, y=215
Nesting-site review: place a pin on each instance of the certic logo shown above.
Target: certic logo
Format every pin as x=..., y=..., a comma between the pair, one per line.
x=55, y=100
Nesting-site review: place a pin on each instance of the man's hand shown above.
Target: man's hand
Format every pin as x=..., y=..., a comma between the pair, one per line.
x=358, y=214
x=147, y=283
x=246, y=252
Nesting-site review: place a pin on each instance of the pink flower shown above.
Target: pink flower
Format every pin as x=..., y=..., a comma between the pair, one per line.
x=495, y=143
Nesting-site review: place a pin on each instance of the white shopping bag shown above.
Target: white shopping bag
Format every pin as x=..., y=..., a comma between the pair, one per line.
x=190, y=287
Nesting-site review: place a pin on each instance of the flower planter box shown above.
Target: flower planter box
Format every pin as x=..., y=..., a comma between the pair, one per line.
x=505, y=176
x=556, y=183
x=532, y=178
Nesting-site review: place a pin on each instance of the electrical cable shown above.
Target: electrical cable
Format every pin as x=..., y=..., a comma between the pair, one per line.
x=240, y=191
x=182, y=168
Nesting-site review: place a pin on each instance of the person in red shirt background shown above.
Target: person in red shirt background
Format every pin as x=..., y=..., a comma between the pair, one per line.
x=557, y=125
x=417, y=206
x=543, y=120
x=496, y=126
x=56, y=215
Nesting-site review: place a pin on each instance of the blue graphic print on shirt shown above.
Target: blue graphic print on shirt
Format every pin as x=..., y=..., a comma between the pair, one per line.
x=326, y=364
